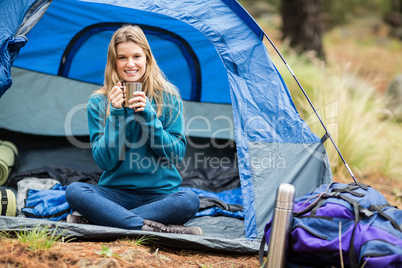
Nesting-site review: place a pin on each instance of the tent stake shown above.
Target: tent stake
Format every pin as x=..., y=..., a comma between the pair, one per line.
x=312, y=106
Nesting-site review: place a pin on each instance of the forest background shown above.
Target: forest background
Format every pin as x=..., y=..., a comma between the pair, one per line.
x=351, y=69
x=347, y=57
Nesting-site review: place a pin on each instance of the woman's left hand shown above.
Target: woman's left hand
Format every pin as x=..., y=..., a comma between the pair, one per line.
x=138, y=102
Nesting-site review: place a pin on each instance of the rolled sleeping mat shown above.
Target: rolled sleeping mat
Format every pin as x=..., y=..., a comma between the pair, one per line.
x=8, y=152
x=8, y=205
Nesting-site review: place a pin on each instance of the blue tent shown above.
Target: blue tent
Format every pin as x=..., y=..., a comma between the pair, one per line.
x=17, y=19
x=212, y=50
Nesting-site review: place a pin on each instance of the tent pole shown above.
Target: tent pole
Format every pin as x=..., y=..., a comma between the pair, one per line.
x=312, y=106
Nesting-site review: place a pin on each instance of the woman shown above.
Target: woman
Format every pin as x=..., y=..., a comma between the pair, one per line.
x=136, y=146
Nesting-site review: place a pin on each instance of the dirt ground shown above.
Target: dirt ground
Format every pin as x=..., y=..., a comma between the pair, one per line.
x=120, y=253
x=127, y=253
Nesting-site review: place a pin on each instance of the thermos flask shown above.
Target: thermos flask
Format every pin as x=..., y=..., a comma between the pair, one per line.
x=282, y=219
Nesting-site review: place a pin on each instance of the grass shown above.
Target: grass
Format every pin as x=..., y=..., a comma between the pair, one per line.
x=159, y=256
x=398, y=196
x=348, y=92
x=143, y=240
x=106, y=252
x=4, y=235
x=40, y=238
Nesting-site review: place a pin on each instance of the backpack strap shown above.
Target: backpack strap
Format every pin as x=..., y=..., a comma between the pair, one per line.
x=316, y=204
x=354, y=262
x=4, y=201
x=379, y=209
x=357, y=208
x=348, y=190
x=359, y=213
x=351, y=187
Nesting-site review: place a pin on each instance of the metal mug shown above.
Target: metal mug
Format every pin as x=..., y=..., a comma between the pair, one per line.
x=129, y=89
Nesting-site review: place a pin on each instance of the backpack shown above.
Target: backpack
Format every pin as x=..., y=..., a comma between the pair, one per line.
x=344, y=225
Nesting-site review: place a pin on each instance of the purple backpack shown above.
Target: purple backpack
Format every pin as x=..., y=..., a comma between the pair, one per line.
x=344, y=225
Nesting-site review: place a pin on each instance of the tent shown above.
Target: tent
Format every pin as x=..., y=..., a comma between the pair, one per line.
x=238, y=109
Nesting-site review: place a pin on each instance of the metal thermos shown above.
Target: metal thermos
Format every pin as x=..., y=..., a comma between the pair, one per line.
x=281, y=223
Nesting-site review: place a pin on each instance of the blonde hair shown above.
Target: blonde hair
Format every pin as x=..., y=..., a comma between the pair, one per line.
x=154, y=82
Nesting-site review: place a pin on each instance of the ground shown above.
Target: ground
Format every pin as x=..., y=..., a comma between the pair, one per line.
x=128, y=253
x=120, y=253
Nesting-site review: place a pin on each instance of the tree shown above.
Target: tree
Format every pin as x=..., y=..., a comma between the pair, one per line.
x=302, y=25
x=397, y=5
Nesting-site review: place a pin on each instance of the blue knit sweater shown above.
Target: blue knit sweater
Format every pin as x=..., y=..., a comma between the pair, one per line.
x=138, y=150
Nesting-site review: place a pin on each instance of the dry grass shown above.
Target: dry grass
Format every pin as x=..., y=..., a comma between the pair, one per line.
x=366, y=47
x=124, y=253
x=348, y=92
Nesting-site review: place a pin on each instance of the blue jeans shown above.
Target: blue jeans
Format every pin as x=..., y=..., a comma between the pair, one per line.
x=127, y=209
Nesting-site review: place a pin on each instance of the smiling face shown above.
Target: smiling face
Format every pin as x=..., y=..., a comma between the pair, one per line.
x=131, y=61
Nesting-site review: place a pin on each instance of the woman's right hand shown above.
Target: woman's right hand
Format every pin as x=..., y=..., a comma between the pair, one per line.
x=116, y=96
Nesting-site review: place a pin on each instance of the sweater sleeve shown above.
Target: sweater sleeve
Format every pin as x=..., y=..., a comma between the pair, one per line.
x=165, y=139
x=107, y=135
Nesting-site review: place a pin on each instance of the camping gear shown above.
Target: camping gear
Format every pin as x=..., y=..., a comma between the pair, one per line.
x=345, y=224
x=8, y=205
x=24, y=185
x=281, y=222
x=235, y=101
x=8, y=153
x=129, y=88
x=48, y=204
